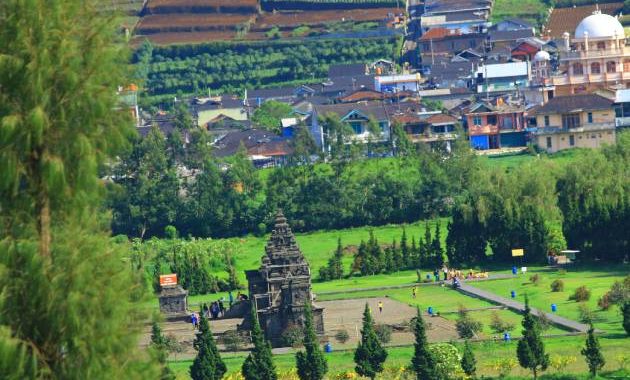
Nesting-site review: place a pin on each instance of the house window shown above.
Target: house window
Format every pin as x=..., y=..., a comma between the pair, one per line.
x=426, y=46
x=476, y=120
x=601, y=45
x=570, y=120
x=571, y=140
x=492, y=119
x=626, y=65
x=547, y=121
x=595, y=69
x=507, y=123
x=548, y=142
x=611, y=67
x=357, y=128
x=578, y=69
x=590, y=117
x=471, y=44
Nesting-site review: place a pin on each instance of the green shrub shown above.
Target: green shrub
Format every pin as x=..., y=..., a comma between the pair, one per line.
x=535, y=279
x=604, y=302
x=232, y=340
x=293, y=336
x=581, y=294
x=557, y=286
x=466, y=326
x=498, y=325
x=384, y=332
x=448, y=360
x=586, y=314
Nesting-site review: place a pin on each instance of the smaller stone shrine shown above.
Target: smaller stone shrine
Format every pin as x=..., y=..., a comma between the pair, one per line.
x=281, y=287
x=173, y=298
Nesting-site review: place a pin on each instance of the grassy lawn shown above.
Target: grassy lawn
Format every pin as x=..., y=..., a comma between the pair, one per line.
x=598, y=281
x=486, y=353
x=509, y=161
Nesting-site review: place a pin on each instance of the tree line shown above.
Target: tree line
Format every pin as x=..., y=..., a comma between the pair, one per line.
x=441, y=361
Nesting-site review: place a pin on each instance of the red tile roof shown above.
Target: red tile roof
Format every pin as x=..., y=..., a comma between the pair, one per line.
x=438, y=33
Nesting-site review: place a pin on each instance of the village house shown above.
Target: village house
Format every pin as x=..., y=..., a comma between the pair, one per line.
x=496, y=124
x=447, y=42
x=204, y=110
x=263, y=148
x=502, y=77
x=358, y=116
x=398, y=83
x=427, y=127
x=466, y=15
x=574, y=121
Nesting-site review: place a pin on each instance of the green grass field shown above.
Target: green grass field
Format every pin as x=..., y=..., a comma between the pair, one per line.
x=541, y=296
x=487, y=353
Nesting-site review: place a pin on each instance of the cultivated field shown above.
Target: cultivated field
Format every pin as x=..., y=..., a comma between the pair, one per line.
x=190, y=23
x=290, y=19
x=201, y=6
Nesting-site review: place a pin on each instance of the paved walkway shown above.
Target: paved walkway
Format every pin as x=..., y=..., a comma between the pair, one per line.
x=519, y=307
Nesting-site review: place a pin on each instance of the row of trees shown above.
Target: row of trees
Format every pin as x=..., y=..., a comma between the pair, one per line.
x=159, y=182
x=437, y=362
x=546, y=207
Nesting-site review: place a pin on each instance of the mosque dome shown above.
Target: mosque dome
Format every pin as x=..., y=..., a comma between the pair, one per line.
x=599, y=25
x=542, y=56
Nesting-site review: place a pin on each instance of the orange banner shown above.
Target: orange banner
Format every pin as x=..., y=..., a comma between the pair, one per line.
x=168, y=279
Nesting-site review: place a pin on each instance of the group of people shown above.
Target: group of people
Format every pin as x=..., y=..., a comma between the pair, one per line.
x=216, y=309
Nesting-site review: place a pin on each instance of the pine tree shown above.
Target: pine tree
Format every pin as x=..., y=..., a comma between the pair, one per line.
x=469, y=363
x=160, y=345
x=66, y=311
x=369, y=355
x=423, y=361
x=207, y=365
x=413, y=255
x=593, y=353
x=259, y=364
x=397, y=257
x=531, y=349
x=404, y=249
x=336, y=269
x=436, y=247
x=625, y=310
x=311, y=364
x=428, y=251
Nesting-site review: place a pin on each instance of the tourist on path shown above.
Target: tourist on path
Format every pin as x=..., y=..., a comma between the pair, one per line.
x=380, y=306
x=414, y=291
x=445, y=270
x=193, y=320
x=230, y=298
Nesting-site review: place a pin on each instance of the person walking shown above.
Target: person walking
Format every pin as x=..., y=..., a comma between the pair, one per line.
x=193, y=320
x=380, y=306
x=445, y=270
x=414, y=290
x=230, y=298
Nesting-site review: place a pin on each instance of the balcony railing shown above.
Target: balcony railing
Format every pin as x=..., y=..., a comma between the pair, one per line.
x=573, y=55
x=590, y=127
x=622, y=121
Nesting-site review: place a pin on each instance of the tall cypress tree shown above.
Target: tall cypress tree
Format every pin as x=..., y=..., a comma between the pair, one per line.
x=404, y=249
x=531, y=350
x=369, y=355
x=336, y=269
x=60, y=121
x=397, y=255
x=593, y=353
x=413, y=255
x=160, y=344
x=625, y=310
x=208, y=364
x=311, y=364
x=469, y=363
x=423, y=361
x=428, y=251
x=436, y=247
x=259, y=363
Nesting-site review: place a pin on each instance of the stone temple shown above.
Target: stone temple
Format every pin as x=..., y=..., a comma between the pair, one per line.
x=281, y=286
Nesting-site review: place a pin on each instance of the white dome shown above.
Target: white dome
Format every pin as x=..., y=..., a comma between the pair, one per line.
x=542, y=56
x=599, y=25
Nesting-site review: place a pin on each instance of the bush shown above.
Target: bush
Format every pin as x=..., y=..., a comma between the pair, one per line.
x=467, y=327
x=384, y=332
x=586, y=314
x=544, y=322
x=342, y=336
x=581, y=294
x=604, y=302
x=535, y=279
x=557, y=286
x=232, y=340
x=498, y=325
x=448, y=360
x=293, y=336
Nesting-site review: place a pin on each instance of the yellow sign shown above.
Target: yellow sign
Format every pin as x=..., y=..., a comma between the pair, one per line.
x=518, y=252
